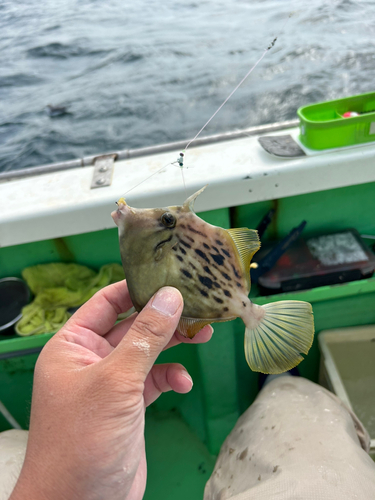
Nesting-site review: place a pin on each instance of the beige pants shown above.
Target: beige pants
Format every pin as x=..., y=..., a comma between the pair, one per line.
x=12, y=454
x=296, y=441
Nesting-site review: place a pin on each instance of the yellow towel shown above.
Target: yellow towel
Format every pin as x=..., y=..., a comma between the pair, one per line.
x=57, y=287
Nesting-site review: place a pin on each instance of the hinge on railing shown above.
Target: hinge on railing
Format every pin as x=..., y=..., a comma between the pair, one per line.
x=103, y=171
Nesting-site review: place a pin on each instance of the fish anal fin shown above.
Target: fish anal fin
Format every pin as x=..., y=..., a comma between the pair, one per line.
x=247, y=243
x=277, y=334
x=189, y=327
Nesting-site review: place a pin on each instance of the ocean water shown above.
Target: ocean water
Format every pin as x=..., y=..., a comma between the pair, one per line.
x=135, y=74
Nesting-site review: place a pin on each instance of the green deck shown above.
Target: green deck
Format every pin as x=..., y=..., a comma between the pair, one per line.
x=185, y=432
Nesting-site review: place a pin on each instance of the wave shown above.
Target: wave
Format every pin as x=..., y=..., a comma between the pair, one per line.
x=59, y=50
x=127, y=57
x=19, y=80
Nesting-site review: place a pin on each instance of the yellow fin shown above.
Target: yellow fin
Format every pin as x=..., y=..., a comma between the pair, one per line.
x=189, y=327
x=247, y=243
x=275, y=344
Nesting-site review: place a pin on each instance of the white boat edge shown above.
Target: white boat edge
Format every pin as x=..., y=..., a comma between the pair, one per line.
x=237, y=170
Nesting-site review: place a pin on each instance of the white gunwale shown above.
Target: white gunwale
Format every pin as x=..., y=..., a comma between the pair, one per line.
x=238, y=172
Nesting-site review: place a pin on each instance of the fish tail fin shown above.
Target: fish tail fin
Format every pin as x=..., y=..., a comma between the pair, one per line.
x=282, y=330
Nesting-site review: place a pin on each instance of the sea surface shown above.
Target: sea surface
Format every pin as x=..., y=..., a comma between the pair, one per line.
x=134, y=74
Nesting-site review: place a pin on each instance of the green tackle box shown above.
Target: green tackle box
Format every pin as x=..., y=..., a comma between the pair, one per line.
x=323, y=126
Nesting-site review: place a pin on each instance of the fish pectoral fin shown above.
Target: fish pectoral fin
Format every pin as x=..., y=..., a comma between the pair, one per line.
x=247, y=243
x=189, y=327
x=274, y=344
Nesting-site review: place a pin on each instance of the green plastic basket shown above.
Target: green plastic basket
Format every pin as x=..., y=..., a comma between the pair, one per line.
x=322, y=126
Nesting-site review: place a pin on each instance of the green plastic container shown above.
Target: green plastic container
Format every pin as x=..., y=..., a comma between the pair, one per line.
x=347, y=368
x=322, y=126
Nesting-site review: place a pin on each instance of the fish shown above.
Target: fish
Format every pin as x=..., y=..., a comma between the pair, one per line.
x=210, y=266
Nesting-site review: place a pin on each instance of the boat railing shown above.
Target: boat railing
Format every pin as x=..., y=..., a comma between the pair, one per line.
x=151, y=150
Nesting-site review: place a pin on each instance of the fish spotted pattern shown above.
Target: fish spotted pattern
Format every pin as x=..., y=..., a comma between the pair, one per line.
x=210, y=266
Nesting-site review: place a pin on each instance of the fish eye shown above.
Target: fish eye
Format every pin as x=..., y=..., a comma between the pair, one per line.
x=168, y=220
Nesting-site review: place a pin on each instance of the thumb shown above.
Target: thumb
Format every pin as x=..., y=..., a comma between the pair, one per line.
x=149, y=334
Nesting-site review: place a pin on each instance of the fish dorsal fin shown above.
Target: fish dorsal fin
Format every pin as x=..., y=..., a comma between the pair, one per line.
x=247, y=243
x=189, y=327
x=189, y=203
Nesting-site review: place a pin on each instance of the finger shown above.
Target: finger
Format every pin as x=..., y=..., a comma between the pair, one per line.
x=100, y=313
x=164, y=378
x=201, y=337
x=149, y=334
x=116, y=334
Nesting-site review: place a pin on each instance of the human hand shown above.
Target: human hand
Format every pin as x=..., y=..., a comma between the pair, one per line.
x=92, y=383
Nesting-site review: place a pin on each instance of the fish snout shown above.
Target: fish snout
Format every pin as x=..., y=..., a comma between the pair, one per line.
x=122, y=211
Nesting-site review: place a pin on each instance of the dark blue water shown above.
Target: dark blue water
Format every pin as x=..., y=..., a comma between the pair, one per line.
x=134, y=74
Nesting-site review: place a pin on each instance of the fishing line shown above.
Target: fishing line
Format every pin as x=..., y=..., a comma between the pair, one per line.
x=241, y=82
x=180, y=160
x=149, y=177
x=230, y=95
x=183, y=180
x=177, y=162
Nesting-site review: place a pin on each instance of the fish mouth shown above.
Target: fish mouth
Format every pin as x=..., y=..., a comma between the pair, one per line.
x=122, y=211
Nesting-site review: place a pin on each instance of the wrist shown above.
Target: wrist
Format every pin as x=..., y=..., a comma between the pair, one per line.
x=55, y=480
x=41, y=483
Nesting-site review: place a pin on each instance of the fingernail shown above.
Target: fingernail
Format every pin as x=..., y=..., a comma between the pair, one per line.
x=211, y=328
x=187, y=376
x=167, y=301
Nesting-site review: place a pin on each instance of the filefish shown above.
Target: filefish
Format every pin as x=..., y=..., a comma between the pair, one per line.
x=210, y=266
